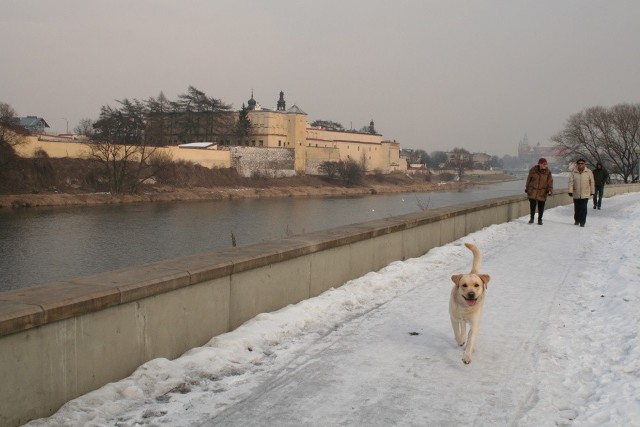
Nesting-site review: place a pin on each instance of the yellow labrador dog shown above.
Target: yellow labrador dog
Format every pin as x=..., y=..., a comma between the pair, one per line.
x=466, y=302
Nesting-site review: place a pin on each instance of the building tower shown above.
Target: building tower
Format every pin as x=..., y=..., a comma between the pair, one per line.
x=252, y=102
x=281, y=103
x=372, y=128
x=524, y=150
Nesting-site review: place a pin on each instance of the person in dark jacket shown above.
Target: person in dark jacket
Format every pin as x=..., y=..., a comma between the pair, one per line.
x=539, y=186
x=600, y=178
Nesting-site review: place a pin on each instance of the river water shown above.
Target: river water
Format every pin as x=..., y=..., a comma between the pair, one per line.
x=42, y=245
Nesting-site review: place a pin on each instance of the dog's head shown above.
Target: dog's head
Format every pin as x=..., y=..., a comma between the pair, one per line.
x=470, y=287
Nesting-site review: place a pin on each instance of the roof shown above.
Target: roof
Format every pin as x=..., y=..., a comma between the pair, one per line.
x=196, y=145
x=294, y=109
x=32, y=121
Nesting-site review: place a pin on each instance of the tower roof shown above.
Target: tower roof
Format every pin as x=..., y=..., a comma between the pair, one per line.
x=294, y=109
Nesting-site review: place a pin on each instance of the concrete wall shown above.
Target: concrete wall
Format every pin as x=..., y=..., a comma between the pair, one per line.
x=61, y=340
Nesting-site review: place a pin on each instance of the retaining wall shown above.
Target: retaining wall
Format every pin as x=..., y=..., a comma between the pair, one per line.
x=61, y=340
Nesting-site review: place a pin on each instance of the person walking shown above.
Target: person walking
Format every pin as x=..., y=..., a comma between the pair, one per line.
x=581, y=188
x=539, y=186
x=600, y=177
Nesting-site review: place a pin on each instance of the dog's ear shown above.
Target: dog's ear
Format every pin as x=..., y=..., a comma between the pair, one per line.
x=456, y=278
x=485, y=279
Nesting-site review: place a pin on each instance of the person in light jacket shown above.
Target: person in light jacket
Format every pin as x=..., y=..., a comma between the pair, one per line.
x=539, y=186
x=581, y=188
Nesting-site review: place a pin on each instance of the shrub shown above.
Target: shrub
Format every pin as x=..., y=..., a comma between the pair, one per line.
x=378, y=175
x=329, y=169
x=43, y=172
x=446, y=177
x=350, y=172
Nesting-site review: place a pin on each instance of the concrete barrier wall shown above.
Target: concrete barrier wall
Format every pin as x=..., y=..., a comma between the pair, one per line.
x=61, y=340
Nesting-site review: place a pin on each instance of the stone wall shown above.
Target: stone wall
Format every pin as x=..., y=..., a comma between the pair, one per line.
x=316, y=156
x=267, y=162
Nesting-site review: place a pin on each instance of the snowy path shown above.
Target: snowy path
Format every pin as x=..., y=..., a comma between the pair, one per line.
x=558, y=344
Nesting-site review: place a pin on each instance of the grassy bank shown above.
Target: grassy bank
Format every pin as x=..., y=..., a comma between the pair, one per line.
x=71, y=182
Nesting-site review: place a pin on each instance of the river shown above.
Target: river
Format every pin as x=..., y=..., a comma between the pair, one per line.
x=42, y=245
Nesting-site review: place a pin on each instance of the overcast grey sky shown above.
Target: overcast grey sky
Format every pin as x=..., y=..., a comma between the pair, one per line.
x=433, y=75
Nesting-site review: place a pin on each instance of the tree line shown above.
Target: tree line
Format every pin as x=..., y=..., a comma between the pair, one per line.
x=124, y=138
x=610, y=136
x=158, y=121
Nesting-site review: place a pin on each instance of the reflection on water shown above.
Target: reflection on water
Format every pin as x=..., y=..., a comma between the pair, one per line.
x=49, y=244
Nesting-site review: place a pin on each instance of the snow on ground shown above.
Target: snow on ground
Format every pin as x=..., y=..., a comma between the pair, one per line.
x=558, y=345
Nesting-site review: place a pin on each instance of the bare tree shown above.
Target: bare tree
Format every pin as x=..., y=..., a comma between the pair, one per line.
x=461, y=161
x=84, y=127
x=7, y=113
x=350, y=172
x=11, y=134
x=624, y=155
x=607, y=135
x=120, y=146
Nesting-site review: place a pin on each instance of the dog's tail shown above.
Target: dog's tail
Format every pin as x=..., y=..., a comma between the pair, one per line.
x=477, y=257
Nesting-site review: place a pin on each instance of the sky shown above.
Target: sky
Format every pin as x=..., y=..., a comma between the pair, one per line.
x=558, y=344
x=432, y=75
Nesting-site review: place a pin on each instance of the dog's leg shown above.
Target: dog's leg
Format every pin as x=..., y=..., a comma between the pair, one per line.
x=473, y=335
x=459, y=329
x=463, y=332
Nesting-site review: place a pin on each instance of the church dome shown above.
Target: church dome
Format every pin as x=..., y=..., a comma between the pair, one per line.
x=252, y=102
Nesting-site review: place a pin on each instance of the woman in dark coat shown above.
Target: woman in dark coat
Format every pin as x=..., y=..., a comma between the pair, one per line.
x=539, y=186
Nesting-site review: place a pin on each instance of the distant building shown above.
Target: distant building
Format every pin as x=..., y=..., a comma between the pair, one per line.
x=480, y=160
x=279, y=128
x=456, y=157
x=288, y=128
x=531, y=153
x=32, y=123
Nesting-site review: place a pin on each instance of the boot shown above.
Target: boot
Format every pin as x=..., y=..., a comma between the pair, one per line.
x=539, y=221
x=531, y=220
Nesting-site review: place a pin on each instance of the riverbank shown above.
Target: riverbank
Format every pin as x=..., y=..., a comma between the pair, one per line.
x=271, y=188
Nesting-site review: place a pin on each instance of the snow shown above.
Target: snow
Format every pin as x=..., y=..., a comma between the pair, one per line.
x=196, y=145
x=558, y=345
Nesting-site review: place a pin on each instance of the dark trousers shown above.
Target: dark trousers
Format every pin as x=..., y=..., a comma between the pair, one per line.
x=597, y=196
x=532, y=208
x=580, y=210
